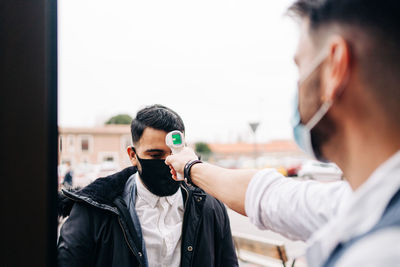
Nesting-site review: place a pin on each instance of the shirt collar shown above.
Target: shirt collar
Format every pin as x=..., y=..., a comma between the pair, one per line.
x=149, y=197
x=364, y=209
x=172, y=198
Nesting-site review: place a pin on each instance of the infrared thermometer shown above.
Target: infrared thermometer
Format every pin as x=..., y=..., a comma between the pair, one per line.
x=176, y=142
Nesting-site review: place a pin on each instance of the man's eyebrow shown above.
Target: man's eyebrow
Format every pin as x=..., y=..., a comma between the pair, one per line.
x=155, y=150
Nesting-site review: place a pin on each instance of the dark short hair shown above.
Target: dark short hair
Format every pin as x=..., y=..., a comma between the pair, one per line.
x=377, y=55
x=157, y=117
x=382, y=15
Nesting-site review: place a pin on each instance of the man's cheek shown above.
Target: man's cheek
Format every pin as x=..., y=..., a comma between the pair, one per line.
x=309, y=96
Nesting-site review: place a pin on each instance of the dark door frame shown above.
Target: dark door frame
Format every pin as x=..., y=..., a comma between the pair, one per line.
x=28, y=172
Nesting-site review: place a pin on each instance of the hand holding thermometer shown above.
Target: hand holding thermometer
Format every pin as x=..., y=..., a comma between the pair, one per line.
x=176, y=141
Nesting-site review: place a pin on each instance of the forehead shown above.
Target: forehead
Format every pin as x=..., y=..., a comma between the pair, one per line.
x=152, y=139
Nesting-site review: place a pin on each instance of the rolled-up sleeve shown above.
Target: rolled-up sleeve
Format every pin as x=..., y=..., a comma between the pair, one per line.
x=292, y=208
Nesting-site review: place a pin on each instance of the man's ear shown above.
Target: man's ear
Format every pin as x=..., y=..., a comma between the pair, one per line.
x=132, y=155
x=338, y=71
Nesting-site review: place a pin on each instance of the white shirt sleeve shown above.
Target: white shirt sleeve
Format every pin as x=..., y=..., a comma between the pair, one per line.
x=292, y=208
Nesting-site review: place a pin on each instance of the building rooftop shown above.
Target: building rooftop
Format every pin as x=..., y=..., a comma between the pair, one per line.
x=246, y=148
x=106, y=129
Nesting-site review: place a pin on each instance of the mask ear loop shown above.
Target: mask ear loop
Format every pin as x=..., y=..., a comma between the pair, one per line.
x=134, y=150
x=137, y=156
x=319, y=115
x=327, y=105
x=313, y=66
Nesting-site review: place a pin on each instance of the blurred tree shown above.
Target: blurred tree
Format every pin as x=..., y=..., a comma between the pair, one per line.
x=203, y=149
x=120, y=119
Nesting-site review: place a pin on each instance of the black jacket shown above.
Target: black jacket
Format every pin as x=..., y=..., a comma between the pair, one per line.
x=100, y=232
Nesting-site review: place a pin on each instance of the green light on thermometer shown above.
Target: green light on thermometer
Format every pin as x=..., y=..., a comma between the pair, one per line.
x=176, y=139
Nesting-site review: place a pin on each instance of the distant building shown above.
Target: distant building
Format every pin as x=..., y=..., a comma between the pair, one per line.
x=277, y=153
x=95, y=145
x=277, y=148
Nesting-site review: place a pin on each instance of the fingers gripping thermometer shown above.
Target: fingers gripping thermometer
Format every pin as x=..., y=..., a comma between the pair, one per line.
x=176, y=141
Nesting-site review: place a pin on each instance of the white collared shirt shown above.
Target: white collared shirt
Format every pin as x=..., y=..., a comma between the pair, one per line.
x=161, y=222
x=330, y=214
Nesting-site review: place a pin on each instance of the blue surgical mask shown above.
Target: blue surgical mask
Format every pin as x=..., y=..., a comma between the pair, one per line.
x=302, y=132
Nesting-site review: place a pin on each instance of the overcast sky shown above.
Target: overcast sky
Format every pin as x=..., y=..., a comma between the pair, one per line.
x=220, y=64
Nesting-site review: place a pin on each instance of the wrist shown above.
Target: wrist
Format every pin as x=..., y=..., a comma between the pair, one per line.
x=187, y=170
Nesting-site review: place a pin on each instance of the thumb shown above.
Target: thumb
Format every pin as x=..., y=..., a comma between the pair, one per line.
x=168, y=160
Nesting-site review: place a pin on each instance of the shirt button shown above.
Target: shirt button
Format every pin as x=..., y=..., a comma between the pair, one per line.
x=190, y=248
x=140, y=254
x=199, y=199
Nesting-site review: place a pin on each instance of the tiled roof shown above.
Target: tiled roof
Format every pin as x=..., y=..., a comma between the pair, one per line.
x=244, y=148
x=106, y=129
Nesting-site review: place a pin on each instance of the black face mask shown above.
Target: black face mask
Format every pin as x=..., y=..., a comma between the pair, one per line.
x=157, y=178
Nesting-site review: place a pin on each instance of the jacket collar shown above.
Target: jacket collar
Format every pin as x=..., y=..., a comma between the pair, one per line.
x=101, y=193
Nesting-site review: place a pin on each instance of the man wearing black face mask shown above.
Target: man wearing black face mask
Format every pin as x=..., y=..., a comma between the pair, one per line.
x=154, y=174
x=140, y=216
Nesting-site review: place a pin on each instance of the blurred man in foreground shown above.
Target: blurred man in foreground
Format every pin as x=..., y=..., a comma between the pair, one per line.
x=347, y=112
